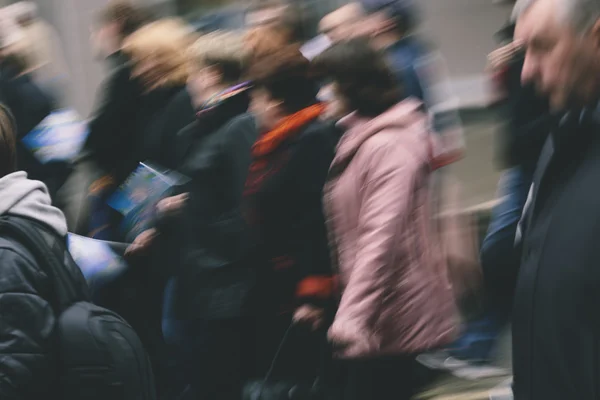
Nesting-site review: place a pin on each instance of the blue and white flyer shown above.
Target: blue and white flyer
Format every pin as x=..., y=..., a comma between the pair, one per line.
x=59, y=137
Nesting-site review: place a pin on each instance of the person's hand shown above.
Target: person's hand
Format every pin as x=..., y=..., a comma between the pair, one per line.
x=339, y=342
x=141, y=243
x=350, y=343
x=172, y=205
x=500, y=57
x=314, y=317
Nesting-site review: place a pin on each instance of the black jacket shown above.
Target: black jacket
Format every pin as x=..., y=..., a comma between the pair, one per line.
x=111, y=128
x=556, y=323
x=208, y=241
x=283, y=206
x=151, y=126
x=26, y=325
x=29, y=105
x=178, y=114
x=529, y=119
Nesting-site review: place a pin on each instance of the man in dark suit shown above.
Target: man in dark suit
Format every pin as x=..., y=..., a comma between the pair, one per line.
x=556, y=324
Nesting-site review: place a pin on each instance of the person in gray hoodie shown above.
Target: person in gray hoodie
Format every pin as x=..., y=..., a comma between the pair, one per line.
x=27, y=321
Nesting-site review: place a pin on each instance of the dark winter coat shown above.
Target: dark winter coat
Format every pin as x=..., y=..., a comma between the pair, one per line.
x=556, y=324
x=27, y=346
x=207, y=242
x=154, y=113
x=283, y=205
x=530, y=121
x=112, y=125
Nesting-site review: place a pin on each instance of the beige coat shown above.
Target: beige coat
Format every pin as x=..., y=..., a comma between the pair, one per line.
x=396, y=297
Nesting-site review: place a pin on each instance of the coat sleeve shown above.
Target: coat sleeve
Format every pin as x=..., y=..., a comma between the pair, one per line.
x=386, y=192
x=109, y=136
x=26, y=329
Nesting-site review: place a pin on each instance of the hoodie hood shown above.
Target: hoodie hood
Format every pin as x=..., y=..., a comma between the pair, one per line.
x=399, y=118
x=28, y=198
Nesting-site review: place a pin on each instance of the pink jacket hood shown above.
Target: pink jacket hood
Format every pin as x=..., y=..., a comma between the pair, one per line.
x=397, y=118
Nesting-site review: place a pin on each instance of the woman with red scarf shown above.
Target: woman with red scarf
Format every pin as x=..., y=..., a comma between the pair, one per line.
x=282, y=204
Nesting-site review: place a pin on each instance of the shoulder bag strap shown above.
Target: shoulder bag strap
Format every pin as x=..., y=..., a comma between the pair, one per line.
x=51, y=255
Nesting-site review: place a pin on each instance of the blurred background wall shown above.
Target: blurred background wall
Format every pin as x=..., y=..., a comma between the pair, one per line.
x=462, y=29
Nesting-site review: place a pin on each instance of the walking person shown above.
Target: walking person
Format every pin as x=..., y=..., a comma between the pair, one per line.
x=555, y=324
x=523, y=136
x=199, y=240
x=27, y=319
x=396, y=300
x=392, y=27
x=283, y=207
x=111, y=123
x=30, y=103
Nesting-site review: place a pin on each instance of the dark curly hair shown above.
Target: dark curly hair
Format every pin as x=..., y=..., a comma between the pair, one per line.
x=285, y=74
x=362, y=75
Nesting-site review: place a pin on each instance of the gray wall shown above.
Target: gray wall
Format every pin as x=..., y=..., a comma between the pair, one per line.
x=72, y=20
x=464, y=30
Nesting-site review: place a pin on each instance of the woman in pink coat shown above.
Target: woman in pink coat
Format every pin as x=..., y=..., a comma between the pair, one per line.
x=396, y=300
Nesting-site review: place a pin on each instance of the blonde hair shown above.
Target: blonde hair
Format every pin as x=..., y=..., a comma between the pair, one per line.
x=226, y=49
x=167, y=41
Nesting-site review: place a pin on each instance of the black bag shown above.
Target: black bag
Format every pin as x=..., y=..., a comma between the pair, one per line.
x=99, y=356
x=268, y=389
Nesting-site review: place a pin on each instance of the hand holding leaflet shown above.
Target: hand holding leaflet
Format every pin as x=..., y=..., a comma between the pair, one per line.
x=99, y=262
x=138, y=197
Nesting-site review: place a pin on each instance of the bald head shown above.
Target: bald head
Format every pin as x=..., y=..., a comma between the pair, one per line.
x=338, y=25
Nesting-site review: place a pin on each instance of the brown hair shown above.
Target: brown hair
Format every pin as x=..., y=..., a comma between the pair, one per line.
x=129, y=17
x=8, y=142
x=362, y=75
x=223, y=49
x=285, y=75
x=264, y=41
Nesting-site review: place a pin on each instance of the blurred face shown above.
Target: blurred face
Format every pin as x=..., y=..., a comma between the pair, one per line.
x=147, y=71
x=202, y=83
x=335, y=105
x=267, y=111
x=563, y=65
x=341, y=24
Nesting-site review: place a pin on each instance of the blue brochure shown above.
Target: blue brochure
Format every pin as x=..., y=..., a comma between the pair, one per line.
x=59, y=137
x=136, y=199
x=99, y=263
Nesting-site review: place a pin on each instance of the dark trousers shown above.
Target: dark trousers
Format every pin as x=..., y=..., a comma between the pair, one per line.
x=392, y=378
x=499, y=261
x=210, y=358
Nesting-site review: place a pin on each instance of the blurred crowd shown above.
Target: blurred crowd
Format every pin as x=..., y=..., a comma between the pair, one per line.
x=312, y=244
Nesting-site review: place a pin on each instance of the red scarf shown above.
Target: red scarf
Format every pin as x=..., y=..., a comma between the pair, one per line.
x=286, y=129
